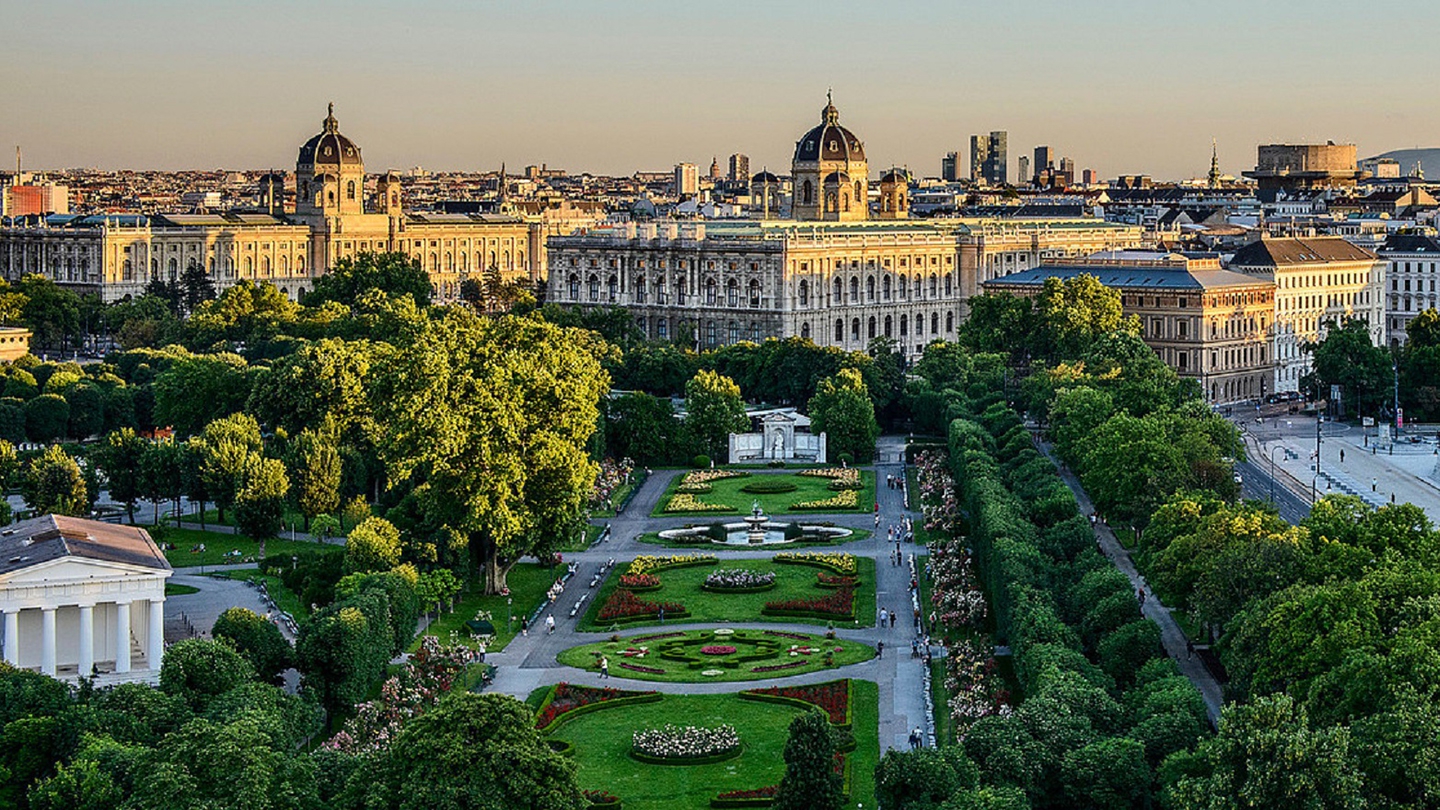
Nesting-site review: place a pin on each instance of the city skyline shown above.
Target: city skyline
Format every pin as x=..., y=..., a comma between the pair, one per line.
x=615, y=90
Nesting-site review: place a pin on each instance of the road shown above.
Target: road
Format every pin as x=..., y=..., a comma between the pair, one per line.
x=1258, y=486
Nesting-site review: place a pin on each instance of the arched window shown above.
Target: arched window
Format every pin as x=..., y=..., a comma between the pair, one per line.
x=887, y=326
x=299, y=264
x=594, y=282
x=845, y=201
x=174, y=267
x=854, y=289
x=155, y=267
x=934, y=323
x=949, y=322
x=284, y=265
x=839, y=330
x=839, y=292
x=712, y=290
x=755, y=331
x=869, y=288
x=612, y=285
x=805, y=330
x=330, y=196
x=948, y=287
x=350, y=190
x=127, y=271
x=934, y=285
x=855, y=329
x=734, y=332
x=808, y=193
x=449, y=262
x=904, y=325
x=662, y=328
x=804, y=293
x=919, y=324
x=917, y=285
x=870, y=327
x=830, y=202
x=265, y=266
x=680, y=289
x=885, y=287
x=732, y=293
x=639, y=289
x=859, y=192
x=249, y=267
x=753, y=293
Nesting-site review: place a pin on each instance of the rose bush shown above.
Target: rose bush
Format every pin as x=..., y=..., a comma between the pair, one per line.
x=686, y=742
x=739, y=578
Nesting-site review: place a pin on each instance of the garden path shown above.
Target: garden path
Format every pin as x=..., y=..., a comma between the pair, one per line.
x=528, y=662
x=1171, y=635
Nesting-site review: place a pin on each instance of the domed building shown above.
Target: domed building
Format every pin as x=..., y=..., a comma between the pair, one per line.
x=329, y=174
x=829, y=172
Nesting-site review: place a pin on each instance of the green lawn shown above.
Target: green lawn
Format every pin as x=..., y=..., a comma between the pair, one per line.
x=602, y=745
x=583, y=540
x=728, y=491
x=944, y=726
x=654, y=539
x=584, y=657
x=171, y=589
x=217, y=544
x=528, y=583
x=285, y=599
x=791, y=582
x=291, y=518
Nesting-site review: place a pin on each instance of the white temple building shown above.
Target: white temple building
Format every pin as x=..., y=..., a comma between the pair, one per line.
x=82, y=597
x=782, y=434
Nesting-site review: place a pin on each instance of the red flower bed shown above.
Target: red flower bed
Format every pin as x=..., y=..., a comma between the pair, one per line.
x=717, y=649
x=757, y=793
x=601, y=797
x=833, y=697
x=783, y=634
x=639, y=581
x=568, y=697
x=623, y=604
x=641, y=668
x=841, y=603
x=655, y=636
x=836, y=582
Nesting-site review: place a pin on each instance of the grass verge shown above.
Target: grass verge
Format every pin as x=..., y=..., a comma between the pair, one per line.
x=528, y=583
x=217, y=545
x=585, y=657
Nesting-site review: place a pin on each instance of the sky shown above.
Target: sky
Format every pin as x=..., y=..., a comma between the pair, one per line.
x=1124, y=87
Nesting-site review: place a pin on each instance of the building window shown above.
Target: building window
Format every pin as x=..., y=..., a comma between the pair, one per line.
x=839, y=330
x=732, y=293
x=594, y=288
x=804, y=293
x=855, y=329
x=870, y=327
x=805, y=330
x=753, y=293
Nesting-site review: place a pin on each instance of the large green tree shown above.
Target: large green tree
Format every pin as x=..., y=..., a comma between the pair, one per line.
x=390, y=273
x=810, y=781
x=51, y=311
x=257, y=640
x=714, y=410
x=198, y=389
x=260, y=501
x=321, y=382
x=842, y=409
x=53, y=483
x=372, y=546
x=491, y=419
x=1346, y=357
x=225, y=450
x=119, y=458
x=314, y=464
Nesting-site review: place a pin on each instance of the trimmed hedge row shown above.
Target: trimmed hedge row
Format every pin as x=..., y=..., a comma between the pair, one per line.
x=710, y=760
x=801, y=704
x=630, y=700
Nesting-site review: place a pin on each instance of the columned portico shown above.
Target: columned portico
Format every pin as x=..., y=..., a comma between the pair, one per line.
x=155, y=649
x=87, y=640
x=47, y=641
x=12, y=637
x=122, y=637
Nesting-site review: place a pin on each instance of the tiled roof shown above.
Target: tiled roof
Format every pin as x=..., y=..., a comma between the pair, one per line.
x=1288, y=251
x=51, y=537
x=1151, y=278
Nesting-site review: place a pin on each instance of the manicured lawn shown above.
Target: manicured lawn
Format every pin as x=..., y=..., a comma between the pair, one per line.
x=584, y=539
x=944, y=726
x=585, y=656
x=602, y=745
x=292, y=518
x=528, y=583
x=654, y=538
x=682, y=585
x=217, y=544
x=728, y=491
x=171, y=589
x=285, y=599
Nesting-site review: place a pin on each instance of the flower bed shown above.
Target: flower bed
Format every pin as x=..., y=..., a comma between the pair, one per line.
x=624, y=605
x=739, y=580
x=758, y=797
x=784, y=634
x=699, y=481
x=641, y=668
x=647, y=564
x=769, y=486
x=832, y=697
x=840, y=563
x=845, y=499
x=778, y=667
x=837, y=605
x=657, y=636
x=567, y=700
x=602, y=800
x=685, y=745
x=686, y=502
x=639, y=582
x=717, y=649
x=829, y=581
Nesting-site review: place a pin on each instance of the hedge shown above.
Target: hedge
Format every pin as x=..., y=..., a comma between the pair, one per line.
x=808, y=614
x=629, y=700
x=710, y=760
x=761, y=697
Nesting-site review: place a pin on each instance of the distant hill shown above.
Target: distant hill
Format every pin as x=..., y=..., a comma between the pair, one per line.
x=1429, y=160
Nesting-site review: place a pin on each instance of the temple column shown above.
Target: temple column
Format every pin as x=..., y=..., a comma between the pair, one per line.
x=156, y=650
x=47, y=641
x=122, y=637
x=87, y=640
x=12, y=637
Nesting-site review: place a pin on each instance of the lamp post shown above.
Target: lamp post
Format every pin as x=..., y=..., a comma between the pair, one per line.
x=1272, y=472
x=509, y=600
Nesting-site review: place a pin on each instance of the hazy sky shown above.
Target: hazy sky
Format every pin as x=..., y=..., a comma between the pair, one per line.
x=1121, y=86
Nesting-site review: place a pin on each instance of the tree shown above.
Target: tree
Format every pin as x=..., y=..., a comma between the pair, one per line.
x=260, y=503
x=245, y=763
x=714, y=410
x=1110, y=773
x=922, y=779
x=12, y=304
x=322, y=381
x=162, y=473
x=1266, y=755
x=51, y=312
x=437, y=587
x=198, y=670
x=119, y=457
x=246, y=311
x=225, y=450
x=198, y=389
x=46, y=418
x=470, y=752
x=1073, y=313
x=53, y=483
x=842, y=410
x=344, y=648
x=394, y=274
x=315, y=470
x=257, y=640
x=810, y=781
x=197, y=286
x=374, y=545
x=644, y=428
x=493, y=417
x=1346, y=357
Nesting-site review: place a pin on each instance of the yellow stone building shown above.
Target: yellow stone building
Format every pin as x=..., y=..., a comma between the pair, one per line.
x=117, y=256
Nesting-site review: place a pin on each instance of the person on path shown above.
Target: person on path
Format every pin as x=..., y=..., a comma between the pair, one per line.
x=877, y=521
x=893, y=617
x=884, y=617
x=1140, y=593
x=662, y=614
x=1189, y=649
x=550, y=623
x=524, y=625
x=880, y=650
x=604, y=667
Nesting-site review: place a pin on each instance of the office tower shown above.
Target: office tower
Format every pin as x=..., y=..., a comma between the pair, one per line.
x=988, y=160
x=1024, y=175
x=950, y=167
x=1044, y=158
x=739, y=168
x=687, y=180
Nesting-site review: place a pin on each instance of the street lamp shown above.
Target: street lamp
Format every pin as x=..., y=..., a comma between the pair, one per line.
x=1272, y=472
x=509, y=600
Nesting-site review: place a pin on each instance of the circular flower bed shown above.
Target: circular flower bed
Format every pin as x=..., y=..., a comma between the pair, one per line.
x=769, y=486
x=717, y=649
x=686, y=745
x=740, y=580
x=724, y=631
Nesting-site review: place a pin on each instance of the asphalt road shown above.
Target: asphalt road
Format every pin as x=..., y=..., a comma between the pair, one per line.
x=1257, y=486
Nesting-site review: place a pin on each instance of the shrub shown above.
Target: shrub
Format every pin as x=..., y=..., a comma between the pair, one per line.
x=1122, y=652
x=769, y=486
x=701, y=461
x=847, y=458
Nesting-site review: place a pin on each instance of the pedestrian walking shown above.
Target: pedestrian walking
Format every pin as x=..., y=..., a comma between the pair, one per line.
x=661, y=614
x=880, y=650
x=604, y=667
x=1140, y=593
x=524, y=625
x=1342, y=455
x=914, y=648
x=884, y=617
x=877, y=521
x=893, y=617
x=1189, y=649
x=550, y=623
x=1374, y=482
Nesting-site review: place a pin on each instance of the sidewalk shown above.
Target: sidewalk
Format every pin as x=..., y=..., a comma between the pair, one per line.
x=1375, y=475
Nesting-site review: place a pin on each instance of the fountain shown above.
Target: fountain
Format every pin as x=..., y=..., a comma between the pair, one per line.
x=755, y=534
